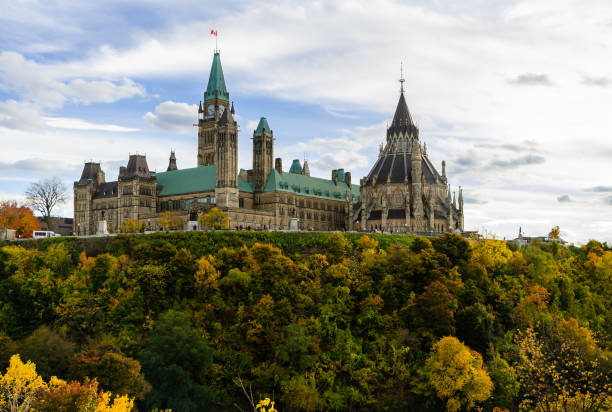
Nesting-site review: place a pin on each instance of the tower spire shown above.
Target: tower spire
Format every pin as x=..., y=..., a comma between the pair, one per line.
x=402, y=80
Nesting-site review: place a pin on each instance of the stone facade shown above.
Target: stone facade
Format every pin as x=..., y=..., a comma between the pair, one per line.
x=403, y=191
x=413, y=199
x=264, y=197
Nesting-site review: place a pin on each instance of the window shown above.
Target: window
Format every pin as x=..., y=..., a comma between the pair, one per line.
x=176, y=204
x=241, y=202
x=212, y=200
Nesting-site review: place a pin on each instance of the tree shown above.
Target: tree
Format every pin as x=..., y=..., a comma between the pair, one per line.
x=131, y=226
x=172, y=221
x=51, y=352
x=457, y=374
x=175, y=360
x=44, y=195
x=215, y=218
x=112, y=369
x=555, y=233
x=563, y=369
x=336, y=247
x=21, y=219
x=60, y=396
x=20, y=386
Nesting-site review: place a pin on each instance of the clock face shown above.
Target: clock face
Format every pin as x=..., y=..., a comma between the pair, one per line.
x=211, y=110
x=221, y=109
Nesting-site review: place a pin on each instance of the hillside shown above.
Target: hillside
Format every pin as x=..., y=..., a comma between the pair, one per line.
x=314, y=321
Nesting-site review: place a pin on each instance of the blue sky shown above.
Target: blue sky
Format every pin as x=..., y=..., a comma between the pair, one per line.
x=514, y=95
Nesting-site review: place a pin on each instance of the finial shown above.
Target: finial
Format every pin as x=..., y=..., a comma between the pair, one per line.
x=215, y=33
x=402, y=80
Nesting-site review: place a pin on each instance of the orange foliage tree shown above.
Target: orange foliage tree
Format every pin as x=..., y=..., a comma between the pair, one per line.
x=18, y=218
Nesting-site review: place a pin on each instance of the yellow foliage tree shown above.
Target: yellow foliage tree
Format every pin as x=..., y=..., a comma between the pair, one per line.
x=132, y=226
x=555, y=233
x=457, y=375
x=215, y=219
x=172, y=221
x=20, y=386
x=23, y=390
x=206, y=278
x=119, y=404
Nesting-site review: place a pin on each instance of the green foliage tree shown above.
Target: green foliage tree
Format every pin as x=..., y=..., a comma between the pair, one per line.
x=336, y=247
x=311, y=326
x=51, y=352
x=176, y=360
x=114, y=371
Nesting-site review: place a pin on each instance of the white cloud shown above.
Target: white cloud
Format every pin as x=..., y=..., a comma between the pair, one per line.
x=344, y=55
x=20, y=115
x=174, y=117
x=80, y=124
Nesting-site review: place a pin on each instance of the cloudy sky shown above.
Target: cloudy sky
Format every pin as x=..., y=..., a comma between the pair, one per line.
x=516, y=96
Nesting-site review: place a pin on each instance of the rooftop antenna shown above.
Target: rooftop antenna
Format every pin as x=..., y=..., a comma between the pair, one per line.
x=402, y=80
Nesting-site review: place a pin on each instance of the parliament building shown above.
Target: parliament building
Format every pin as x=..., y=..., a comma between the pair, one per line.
x=402, y=193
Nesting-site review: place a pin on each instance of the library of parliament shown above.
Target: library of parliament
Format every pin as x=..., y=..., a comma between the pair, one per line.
x=403, y=192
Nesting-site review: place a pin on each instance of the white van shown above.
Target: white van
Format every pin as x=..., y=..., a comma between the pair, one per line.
x=41, y=234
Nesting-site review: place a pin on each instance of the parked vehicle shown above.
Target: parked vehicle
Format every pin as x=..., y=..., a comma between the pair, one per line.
x=41, y=234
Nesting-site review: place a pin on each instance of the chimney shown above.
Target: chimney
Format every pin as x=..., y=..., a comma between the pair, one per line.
x=122, y=170
x=335, y=176
x=278, y=165
x=347, y=178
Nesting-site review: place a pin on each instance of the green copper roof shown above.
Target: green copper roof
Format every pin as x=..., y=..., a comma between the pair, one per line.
x=296, y=167
x=182, y=181
x=309, y=186
x=216, y=82
x=244, y=186
x=194, y=180
x=263, y=124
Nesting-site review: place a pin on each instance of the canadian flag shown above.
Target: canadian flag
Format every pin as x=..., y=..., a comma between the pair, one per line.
x=213, y=32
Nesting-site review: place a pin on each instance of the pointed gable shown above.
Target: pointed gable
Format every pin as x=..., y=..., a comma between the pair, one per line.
x=216, y=81
x=227, y=118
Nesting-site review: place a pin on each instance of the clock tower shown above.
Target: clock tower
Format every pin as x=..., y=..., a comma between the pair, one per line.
x=216, y=101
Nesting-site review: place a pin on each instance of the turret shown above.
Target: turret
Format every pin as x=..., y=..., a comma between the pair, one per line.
x=306, y=169
x=417, y=188
x=278, y=165
x=461, y=217
x=449, y=200
x=216, y=101
x=431, y=211
x=334, y=176
x=226, y=171
x=172, y=162
x=444, y=171
x=263, y=153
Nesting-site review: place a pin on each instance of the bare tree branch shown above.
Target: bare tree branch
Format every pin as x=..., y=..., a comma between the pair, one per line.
x=238, y=381
x=44, y=195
